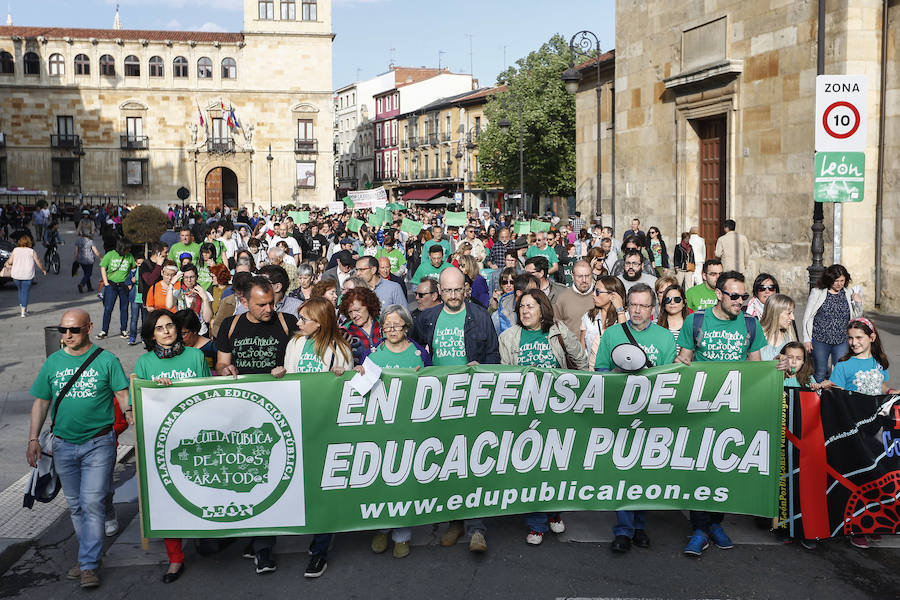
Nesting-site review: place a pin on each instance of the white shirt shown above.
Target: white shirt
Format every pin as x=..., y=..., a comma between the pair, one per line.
x=289, y=240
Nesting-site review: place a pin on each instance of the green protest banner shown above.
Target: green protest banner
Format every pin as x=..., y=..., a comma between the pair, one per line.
x=539, y=226
x=299, y=216
x=458, y=219
x=522, y=227
x=254, y=455
x=353, y=224
x=348, y=201
x=411, y=227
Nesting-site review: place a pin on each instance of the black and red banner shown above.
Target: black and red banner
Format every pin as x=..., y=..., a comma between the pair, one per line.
x=841, y=464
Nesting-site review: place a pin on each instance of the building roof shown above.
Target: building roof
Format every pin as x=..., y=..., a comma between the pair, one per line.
x=607, y=57
x=481, y=94
x=123, y=34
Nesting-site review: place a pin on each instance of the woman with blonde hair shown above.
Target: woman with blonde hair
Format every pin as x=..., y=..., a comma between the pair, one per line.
x=472, y=270
x=22, y=261
x=777, y=324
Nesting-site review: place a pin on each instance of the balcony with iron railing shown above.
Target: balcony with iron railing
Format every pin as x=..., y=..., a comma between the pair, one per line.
x=434, y=138
x=134, y=142
x=413, y=141
x=306, y=146
x=219, y=145
x=65, y=140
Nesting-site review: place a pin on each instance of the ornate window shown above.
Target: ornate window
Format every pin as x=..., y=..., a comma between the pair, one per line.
x=156, y=66
x=107, y=65
x=229, y=68
x=82, y=65
x=204, y=68
x=32, y=63
x=7, y=65
x=132, y=66
x=57, y=64
x=180, y=67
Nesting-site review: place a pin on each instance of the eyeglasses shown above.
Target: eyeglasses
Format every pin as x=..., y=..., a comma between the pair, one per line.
x=767, y=288
x=452, y=291
x=509, y=281
x=63, y=330
x=743, y=297
x=643, y=306
x=598, y=292
x=423, y=294
x=673, y=300
x=392, y=328
x=306, y=320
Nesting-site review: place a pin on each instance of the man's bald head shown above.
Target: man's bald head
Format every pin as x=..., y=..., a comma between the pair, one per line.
x=452, y=277
x=80, y=319
x=384, y=267
x=453, y=289
x=75, y=317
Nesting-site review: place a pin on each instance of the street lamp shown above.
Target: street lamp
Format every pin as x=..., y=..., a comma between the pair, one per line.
x=269, y=159
x=586, y=41
x=504, y=126
x=79, y=153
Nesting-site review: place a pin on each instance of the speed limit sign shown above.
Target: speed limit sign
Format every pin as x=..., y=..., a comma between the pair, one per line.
x=841, y=113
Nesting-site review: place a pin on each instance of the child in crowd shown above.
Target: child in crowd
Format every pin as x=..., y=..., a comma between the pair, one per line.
x=800, y=367
x=864, y=368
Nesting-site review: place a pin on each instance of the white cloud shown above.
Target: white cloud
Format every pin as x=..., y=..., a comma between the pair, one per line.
x=174, y=24
x=210, y=26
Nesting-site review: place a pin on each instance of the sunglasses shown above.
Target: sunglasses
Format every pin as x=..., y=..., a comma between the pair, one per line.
x=507, y=281
x=423, y=294
x=674, y=300
x=63, y=330
x=743, y=297
x=767, y=288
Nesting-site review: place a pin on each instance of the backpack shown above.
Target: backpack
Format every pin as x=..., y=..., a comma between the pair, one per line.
x=749, y=324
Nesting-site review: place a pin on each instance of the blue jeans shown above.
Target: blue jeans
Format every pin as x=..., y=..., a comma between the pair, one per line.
x=110, y=293
x=820, y=353
x=703, y=520
x=135, y=310
x=629, y=520
x=24, y=287
x=84, y=473
x=320, y=543
x=86, y=269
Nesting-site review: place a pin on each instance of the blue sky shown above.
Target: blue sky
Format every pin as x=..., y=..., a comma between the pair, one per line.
x=417, y=30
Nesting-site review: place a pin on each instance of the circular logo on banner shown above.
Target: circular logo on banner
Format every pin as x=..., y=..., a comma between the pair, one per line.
x=197, y=460
x=841, y=120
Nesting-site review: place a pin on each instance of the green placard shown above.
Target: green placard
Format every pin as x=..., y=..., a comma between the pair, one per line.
x=458, y=219
x=299, y=216
x=255, y=455
x=354, y=224
x=411, y=227
x=378, y=217
x=346, y=200
x=395, y=206
x=839, y=176
x=539, y=226
x=522, y=227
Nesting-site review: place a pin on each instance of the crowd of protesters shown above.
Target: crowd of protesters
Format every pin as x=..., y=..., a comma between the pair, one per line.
x=217, y=285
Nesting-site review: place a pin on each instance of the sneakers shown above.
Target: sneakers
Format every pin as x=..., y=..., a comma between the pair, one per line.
x=719, y=538
x=248, y=551
x=317, y=565
x=697, y=544
x=874, y=538
x=453, y=533
x=80, y=289
x=133, y=342
x=534, y=538
x=111, y=527
x=477, y=543
x=89, y=579
x=264, y=561
x=859, y=541
x=557, y=525
x=620, y=544
x=74, y=572
x=380, y=543
x=640, y=539
x=401, y=549
x=123, y=335
x=809, y=544
x=102, y=335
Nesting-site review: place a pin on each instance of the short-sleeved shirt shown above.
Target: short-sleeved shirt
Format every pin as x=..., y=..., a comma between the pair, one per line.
x=863, y=375
x=189, y=364
x=442, y=243
x=87, y=407
x=700, y=297
x=721, y=340
x=178, y=249
x=426, y=269
x=535, y=350
x=395, y=257
x=256, y=348
x=407, y=359
x=117, y=266
x=547, y=252
x=309, y=362
x=655, y=340
x=449, y=344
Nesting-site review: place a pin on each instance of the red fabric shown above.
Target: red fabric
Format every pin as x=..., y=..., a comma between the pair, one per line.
x=813, y=465
x=174, y=550
x=120, y=423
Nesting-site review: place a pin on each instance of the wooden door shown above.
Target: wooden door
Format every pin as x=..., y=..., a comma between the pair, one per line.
x=214, y=190
x=712, y=181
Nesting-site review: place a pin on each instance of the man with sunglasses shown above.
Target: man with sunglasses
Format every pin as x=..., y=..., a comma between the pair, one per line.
x=83, y=441
x=426, y=296
x=720, y=333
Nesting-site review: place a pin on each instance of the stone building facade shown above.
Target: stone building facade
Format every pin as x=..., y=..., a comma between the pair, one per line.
x=714, y=119
x=118, y=112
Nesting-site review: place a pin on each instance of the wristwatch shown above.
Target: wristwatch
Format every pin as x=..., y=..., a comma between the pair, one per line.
x=621, y=309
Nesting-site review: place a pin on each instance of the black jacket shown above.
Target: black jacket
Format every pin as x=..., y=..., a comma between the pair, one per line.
x=480, y=337
x=680, y=257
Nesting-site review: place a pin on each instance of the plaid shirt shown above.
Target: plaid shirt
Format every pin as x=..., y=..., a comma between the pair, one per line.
x=498, y=252
x=361, y=343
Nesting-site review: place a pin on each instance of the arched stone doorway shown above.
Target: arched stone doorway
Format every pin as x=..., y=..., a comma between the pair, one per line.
x=221, y=189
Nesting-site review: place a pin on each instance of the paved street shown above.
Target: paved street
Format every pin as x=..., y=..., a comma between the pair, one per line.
x=575, y=564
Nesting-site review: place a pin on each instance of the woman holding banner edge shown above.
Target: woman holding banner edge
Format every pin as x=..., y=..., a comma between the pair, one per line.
x=166, y=353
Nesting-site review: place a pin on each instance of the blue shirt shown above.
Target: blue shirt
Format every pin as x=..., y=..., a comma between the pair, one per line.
x=863, y=375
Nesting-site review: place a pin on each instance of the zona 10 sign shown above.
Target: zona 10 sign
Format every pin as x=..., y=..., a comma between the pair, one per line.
x=841, y=113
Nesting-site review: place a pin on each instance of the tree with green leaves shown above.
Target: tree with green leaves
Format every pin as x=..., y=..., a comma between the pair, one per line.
x=548, y=120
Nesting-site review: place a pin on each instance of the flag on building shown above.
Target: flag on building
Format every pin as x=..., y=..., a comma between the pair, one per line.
x=200, y=112
x=233, y=120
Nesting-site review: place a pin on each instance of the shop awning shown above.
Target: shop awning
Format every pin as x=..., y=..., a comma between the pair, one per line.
x=424, y=194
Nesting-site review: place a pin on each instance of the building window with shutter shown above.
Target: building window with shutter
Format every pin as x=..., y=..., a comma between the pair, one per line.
x=180, y=67
x=156, y=66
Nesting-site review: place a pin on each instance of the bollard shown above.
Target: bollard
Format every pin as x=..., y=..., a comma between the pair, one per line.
x=52, y=340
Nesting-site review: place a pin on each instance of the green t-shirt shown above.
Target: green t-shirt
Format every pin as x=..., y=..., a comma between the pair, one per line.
x=449, y=345
x=408, y=359
x=549, y=252
x=655, y=340
x=535, y=350
x=721, y=340
x=117, y=266
x=204, y=277
x=426, y=269
x=443, y=244
x=220, y=250
x=700, y=297
x=309, y=362
x=87, y=407
x=189, y=364
x=179, y=248
x=394, y=256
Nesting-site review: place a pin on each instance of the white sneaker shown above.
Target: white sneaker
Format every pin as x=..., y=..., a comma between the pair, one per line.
x=111, y=527
x=557, y=525
x=534, y=538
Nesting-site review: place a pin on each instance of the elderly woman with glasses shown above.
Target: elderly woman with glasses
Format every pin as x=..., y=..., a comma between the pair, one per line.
x=397, y=351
